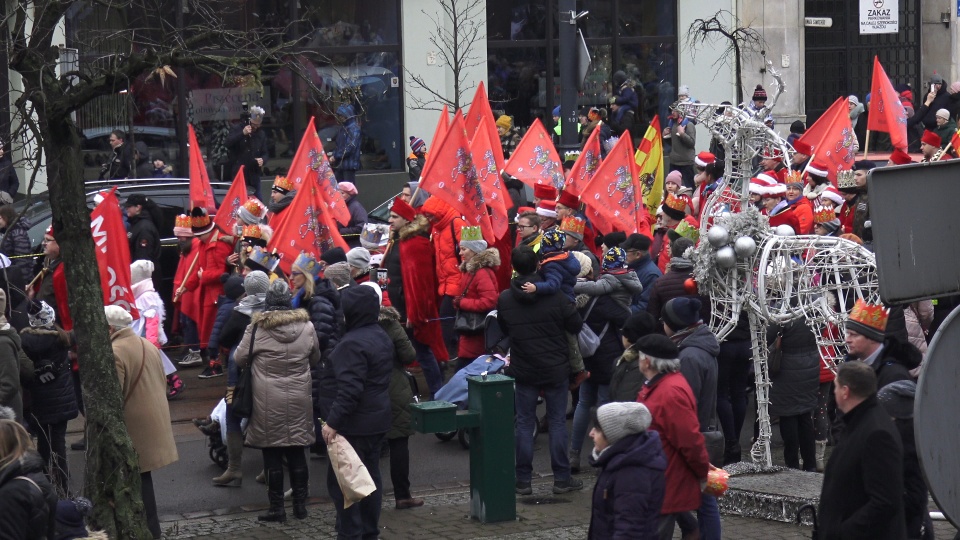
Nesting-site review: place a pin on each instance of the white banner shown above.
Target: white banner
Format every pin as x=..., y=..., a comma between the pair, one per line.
x=879, y=16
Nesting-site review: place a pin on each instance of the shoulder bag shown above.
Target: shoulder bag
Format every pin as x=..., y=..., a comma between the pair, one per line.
x=469, y=322
x=242, y=405
x=587, y=339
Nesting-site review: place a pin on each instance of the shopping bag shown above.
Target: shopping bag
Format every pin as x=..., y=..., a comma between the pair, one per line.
x=352, y=475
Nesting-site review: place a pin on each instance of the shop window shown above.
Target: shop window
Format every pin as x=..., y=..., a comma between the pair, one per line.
x=648, y=18
x=335, y=23
x=516, y=20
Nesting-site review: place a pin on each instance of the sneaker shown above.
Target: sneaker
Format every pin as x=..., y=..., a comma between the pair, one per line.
x=211, y=371
x=524, y=488
x=174, y=386
x=191, y=359
x=565, y=486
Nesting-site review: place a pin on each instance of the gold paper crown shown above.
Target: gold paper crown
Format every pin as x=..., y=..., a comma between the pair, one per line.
x=255, y=207
x=688, y=230
x=573, y=224
x=675, y=202
x=794, y=177
x=470, y=234
x=183, y=221
x=252, y=231
x=846, y=180
x=873, y=316
x=199, y=218
x=306, y=263
x=283, y=184
x=823, y=215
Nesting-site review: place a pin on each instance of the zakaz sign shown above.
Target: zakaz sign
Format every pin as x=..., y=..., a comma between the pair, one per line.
x=219, y=104
x=879, y=16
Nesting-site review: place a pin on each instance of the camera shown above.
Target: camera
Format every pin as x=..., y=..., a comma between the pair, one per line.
x=245, y=112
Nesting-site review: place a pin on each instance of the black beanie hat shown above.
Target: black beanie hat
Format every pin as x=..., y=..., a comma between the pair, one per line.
x=681, y=312
x=657, y=346
x=614, y=239
x=334, y=255
x=233, y=286
x=639, y=325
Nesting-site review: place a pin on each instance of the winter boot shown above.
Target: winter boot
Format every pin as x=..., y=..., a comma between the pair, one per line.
x=821, y=452
x=574, y=462
x=275, y=494
x=299, y=481
x=233, y=476
x=174, y=386
x=262, y=477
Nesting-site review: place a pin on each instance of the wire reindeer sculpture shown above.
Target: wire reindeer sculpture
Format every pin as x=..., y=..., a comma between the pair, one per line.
x=771, y=276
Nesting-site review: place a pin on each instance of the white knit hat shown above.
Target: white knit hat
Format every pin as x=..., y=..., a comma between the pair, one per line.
x=117, y=316
x=141, y=270
x=620, y=419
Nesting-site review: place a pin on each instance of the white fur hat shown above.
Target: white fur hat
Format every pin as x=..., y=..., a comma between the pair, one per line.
x=141, y=270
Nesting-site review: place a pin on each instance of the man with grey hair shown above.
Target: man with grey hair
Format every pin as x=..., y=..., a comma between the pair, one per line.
x=674, y=408
x=247, y=144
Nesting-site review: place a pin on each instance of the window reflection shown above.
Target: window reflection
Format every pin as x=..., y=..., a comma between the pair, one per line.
x=513, y=20
x=335, y=23
x=517, y=84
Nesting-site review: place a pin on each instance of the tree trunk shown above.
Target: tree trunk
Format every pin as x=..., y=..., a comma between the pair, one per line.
x=113, y=470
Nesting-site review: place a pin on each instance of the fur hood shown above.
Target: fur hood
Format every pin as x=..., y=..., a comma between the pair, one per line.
x=420, y=225
x=54, y=332
x=488, y=258
x=629, y=355
x=269, y=320
x=388, y=313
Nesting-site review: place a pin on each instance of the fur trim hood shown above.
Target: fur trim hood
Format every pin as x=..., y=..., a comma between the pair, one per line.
x=420, y=225
x=488, y=258
x=268, y=320
x=388, y=313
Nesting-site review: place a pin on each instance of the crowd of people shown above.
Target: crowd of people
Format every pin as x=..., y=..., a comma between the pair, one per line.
x=609, y=322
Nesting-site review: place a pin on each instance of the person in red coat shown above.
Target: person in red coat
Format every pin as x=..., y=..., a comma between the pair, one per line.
x=184, y=301
x=213, y=249
x=478, y=289
x=51, y=287
x=772, y=204
x=674, y=409
x=445, y=226
x=801, y=206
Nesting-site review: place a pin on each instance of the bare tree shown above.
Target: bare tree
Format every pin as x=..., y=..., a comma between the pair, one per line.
x=457, y=28
x=724, y=27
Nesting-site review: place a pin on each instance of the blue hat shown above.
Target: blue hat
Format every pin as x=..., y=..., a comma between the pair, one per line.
x=615, y=258
x=552, y=241
x=556, y=111
x=681, y=312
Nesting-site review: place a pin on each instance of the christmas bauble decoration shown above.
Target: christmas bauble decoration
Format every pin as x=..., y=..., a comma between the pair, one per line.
x=745, y=247
x=726, y=257
x=690, y=286
x=718, y=481
x=718, y=236
x=784, y=230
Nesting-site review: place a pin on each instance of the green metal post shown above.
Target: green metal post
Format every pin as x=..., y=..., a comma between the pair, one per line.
x=492, y=470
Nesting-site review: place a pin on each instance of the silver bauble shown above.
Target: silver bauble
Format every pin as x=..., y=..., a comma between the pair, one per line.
x=726, y=257
x=718, y=236
x=725, y=215
x=745, y=246
x=784, y=230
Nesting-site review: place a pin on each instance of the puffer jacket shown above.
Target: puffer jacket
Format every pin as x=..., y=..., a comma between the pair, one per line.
x=648, y=273
x=919, y=317
x=360, y=367
x=445, y=230
x=626, y=381
x=622, y=286
x=52, y=396
x=401, y=394
x=225, y=307
x=608, y=313
x=630, y=488
x=794, y=388
x=670, y=286
x=326, y=316
x=478, y=293
x=698, y=364
x=29, y=506
x=284, y=348
x=17, y=242
x=559, y=271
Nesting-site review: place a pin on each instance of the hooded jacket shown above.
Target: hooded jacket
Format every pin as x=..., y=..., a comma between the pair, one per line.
x=647, y=273
x=671, y=285
x=445, y=235
x=28, y=512
x=360, y=368
x=559, y=271
x=401, y=394
x=794, y=387
x=284, y=348
x=622, y=285
x=478, y=293
x=347, y=152
x=630, y=488
x=326, y=315
x=608, y=313
x=52, y=395
x=698, y=364
x=537, y=325
x=144, y=237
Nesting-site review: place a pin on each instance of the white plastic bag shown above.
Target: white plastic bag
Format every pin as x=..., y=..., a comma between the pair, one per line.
x=352, y=475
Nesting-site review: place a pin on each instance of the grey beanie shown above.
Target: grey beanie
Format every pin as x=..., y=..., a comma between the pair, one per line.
x=359, y=257
x=475, y=246
x=278, y=295
x=338, y=274
x=897, y=398
x=620, y=419
x=256, y=282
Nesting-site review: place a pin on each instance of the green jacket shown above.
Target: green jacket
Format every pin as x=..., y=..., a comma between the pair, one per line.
x=400, y=392
x=946, y=132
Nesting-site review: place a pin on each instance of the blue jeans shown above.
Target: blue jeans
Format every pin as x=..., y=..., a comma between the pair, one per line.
x=362, y=520
x=707, y=521
x=526, y=405
x=191, y=336
x=428, y=362
x=591, y=395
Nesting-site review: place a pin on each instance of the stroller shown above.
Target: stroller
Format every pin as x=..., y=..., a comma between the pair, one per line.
x=216, y=432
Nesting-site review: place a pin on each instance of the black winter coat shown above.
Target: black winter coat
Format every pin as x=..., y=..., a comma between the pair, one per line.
x=28, y=513
x=9, y=181
x=232, y=330
x=17, y=242
x=224, y=312
x=537, y=326
x=670, y=286
x=609, y=312
x=895, y=362
x=626, y=381
x=862, y=496
x=244, y=150
x=794, y=387
x=358, y=218
x=359, y=369
x=630, y=488
x=698, y=364
x=144, y=238
x=52, y=396
x=648, y=273
x=326, y=316
x=914, y=486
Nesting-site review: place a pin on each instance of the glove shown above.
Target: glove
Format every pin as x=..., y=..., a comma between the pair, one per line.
x=44, y=373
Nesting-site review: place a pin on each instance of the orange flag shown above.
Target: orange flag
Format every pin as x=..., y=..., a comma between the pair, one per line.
x=536, y=161
x=201, y=194
x=614, y=198
x=832, y=139
x=586, y=165
x=886, y=110
x=304, y=226
x=494, y=192
x=479, y=109
x=451, y=176
x=310, y=164
x=226, y=217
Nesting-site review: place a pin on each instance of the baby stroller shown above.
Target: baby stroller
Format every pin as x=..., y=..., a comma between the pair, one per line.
x=216, y=431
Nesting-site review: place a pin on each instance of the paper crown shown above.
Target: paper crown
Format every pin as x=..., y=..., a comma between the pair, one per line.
x=793, y=177
x=675, y=203
x=255, y=235
x=470, y=234
x=371, y=236
x=869, y=320
x=845, y=180
x=571, y=156
x=307, y=264
x=200, y=222
x=261, y=259
x=688, y=230
x=283, y=185
x=256, y=209
x=823, y=215
x=573, y=224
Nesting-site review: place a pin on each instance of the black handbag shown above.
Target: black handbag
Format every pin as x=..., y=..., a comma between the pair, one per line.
x=468, y=322
x=775, y=355
x=715, y=444
x=242, y=405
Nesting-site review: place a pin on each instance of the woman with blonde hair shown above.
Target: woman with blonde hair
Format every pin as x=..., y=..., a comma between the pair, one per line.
x=26, y=496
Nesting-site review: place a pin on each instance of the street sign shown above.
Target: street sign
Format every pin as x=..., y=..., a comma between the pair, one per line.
x=879, y=16
x=820, y=22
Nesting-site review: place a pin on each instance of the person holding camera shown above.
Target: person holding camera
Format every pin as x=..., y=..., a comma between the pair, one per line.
x=248, y=147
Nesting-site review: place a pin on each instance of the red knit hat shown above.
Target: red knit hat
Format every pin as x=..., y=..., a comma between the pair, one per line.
x=545, y=191
x=802, y=148
x=547, y=208
x=569, y=200
x=704, y=158
x=403, y=209
x=899, y=157
x=931, y=138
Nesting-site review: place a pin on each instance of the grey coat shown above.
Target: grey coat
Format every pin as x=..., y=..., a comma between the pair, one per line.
x=283, y=350
x=794, y=387
x=622, y=287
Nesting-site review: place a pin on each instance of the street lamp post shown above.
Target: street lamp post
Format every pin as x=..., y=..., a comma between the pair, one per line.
x=569, y=85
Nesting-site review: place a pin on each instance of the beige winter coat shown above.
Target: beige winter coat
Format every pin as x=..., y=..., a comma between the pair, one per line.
x=284, y=349
x=146, y=411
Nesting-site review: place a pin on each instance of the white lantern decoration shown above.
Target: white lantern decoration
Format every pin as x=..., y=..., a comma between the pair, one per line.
x=726, y=257
x=745, y=246
x=718, y=236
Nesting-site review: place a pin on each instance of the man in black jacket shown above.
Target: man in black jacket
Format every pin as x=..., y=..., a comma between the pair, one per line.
x=867, y=341
x=248, y=147
x=144, y=234
x=539, y=361
x=862, y=494
x=121, y=160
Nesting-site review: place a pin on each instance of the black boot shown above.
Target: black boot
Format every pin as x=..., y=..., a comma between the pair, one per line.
x=299, y=480
x=275, y=494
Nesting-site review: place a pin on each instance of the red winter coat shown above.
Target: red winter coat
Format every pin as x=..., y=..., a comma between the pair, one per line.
x=420, y=285
x=804, y=211
x=445, y=235
x=787, y=217
x=213, y=262
x=846, y=216
x=479, y=280
x=187, y=304
x=674, y=411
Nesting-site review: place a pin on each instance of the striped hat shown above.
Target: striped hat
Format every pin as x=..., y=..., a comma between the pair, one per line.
x=832, y=194
x=704, y=158
x=764, y=184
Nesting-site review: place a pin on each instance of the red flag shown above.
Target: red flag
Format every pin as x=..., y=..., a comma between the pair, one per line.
x=113, y=254
x=536, y=161
x=443, y=124
x=304, y=226
x=480, y=108
x=226, y=218
x=201, y=194
x=832, y=139
x=613, y=197
x=488, y=174
x=452, y=177
x=310, y=164
x=886, y=110
x=586, y=165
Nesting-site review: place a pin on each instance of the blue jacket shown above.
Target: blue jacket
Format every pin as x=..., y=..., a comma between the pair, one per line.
x=629, y=490
x=326, y=316
x=224, y=309
x=558, y=275
x=648, y=272
x=52, y=396
x=358, y=218
x=347, y=153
